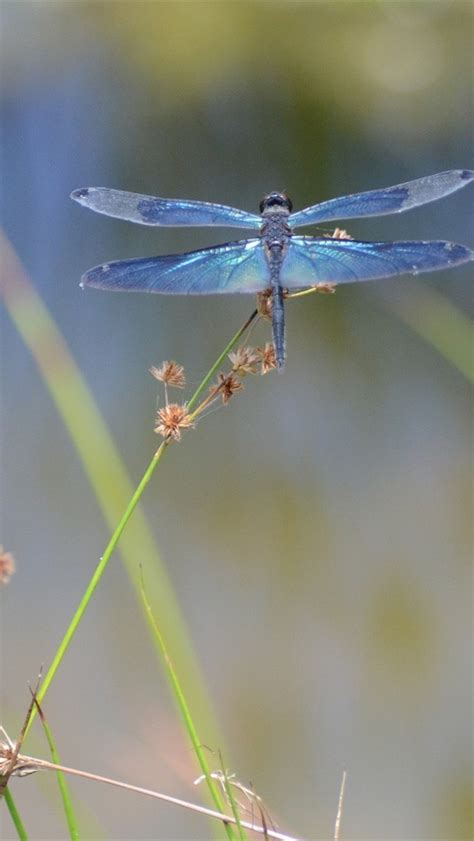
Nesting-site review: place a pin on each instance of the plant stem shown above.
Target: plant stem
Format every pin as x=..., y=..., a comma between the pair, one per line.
x=102, y=565
x=194, y=807
x=96, y=577
x=186, y=713
x=62, y=783
x=220, y=359
x=15, y=816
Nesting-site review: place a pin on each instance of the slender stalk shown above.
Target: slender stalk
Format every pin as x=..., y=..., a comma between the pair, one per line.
x=302, y=293
x=136, y=496
x=337, y=825
x=103, y=467
x=15, y=816
x=185, y=712
x=96, y=577
x=167, y=798
x=432, y=316
x=437, y=320
x=63, y=785
x=219, y=361
x=233, y=804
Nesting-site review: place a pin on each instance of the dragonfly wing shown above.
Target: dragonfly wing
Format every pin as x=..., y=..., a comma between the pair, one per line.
x=147, y=210
x=382, y=202
x=236, y=267
x=310, y=261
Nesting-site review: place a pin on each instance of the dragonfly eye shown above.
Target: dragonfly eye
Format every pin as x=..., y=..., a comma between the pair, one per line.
x=276, y=200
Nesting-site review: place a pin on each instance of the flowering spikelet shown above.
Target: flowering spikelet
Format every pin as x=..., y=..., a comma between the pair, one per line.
x=267, y=357
x=169, y=373
x=227, y=386
x=265, y=305
x=244, y=361
x=7, y=566
x=172, y=419
x=22, y=766
x=340, y=233
x=325, y=288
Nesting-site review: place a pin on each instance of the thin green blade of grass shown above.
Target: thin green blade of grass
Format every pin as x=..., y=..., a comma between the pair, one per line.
x=13, y=748
x=15, y=816
x=235, y=811
x=63, y=786
x=186, y=712
x=103, y=467
x=43, y=764
x=433, y=317
x=233, y=804
x=337, y=825
x=41, y=336
x=438, y=321
x=219, y=361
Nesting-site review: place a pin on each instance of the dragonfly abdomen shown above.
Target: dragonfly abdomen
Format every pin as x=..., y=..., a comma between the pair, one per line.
x=275, y=255
x=276, y=234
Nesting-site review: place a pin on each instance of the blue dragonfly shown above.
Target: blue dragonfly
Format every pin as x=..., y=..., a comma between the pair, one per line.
x=274, y=261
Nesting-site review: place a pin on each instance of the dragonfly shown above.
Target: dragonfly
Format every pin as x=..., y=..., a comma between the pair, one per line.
x=274, y=261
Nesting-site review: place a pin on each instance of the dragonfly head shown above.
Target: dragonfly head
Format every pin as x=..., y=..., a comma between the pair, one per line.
x=276, y=202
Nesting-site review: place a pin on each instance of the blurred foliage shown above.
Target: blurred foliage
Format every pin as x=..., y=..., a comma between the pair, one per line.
x=363, y=55
x=319, y=535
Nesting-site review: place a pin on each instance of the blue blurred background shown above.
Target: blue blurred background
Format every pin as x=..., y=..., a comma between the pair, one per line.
x=318, y=530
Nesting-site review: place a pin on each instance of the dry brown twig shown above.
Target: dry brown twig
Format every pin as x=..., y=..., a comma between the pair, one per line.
x=11, y=761
x=23, y=765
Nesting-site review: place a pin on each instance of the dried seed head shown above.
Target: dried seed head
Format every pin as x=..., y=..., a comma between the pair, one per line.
x=21, y=768
x=267, y=357
x=265, y=305
x=227, y=386
x=326, y=288
x=340, y=233
x=244, y=361
x=171, y=420
x=22, y=765
x=170, y=373
x=7, y=566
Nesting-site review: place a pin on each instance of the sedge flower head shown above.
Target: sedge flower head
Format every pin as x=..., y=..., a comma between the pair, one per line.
x=7, y=566
x=244, y=361
x=228, y=384
x=340, y=233
x=267, y=358
x=171, y=419
x=265, y=304
x=169, y=373
x=325, y=288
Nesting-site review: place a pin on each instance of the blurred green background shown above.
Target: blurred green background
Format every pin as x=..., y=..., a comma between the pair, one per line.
x=318, y=530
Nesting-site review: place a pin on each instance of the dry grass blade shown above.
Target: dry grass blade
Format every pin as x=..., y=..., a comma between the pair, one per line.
x=337, y=825
x=11, y=762
x=37, y=764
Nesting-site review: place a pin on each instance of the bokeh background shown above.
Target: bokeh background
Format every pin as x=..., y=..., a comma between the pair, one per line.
x=318, y=530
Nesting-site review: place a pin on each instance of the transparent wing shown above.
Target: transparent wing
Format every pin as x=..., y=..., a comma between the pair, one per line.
x=236, y=267
x=382, y=202
x=310, y=261
x=147, y=210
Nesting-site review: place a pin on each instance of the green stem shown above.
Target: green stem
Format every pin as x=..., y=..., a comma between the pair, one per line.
x=219, y=361
x=233, y=803
x=96, y=577
x=101, y=567
x=186, y=714
x=63, y=785
x=15, y=816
